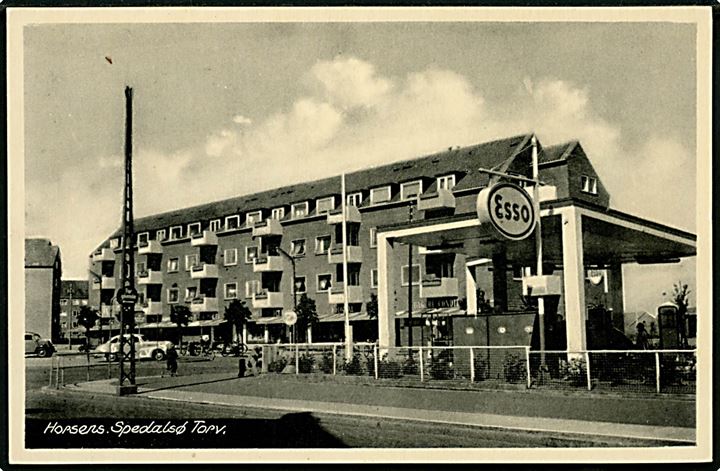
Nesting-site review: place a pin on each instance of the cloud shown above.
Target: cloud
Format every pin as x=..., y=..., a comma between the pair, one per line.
x=351, y=117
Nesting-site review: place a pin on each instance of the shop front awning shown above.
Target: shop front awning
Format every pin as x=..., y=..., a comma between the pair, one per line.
x=340, y=317
x=431, y=312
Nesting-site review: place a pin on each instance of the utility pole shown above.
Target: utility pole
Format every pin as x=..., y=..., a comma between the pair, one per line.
x=539, y=253
x=126, y=294
x=346, y=306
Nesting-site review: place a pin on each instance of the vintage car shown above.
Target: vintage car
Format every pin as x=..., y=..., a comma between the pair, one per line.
x=36, y=345
x=151, y=349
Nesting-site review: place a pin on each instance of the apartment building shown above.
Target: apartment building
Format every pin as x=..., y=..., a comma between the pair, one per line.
x=73, y=295
x=269, y=248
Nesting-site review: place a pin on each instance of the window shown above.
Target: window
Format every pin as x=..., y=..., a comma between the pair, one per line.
x=446, y=182
x=172, y=265
x=324, y=282
x=374, y=278
x=300, y=210
x=354, y=199
x=140, y=268
x=230, y=257
x=300, y=285
x=415, y=275
x=325, y=205
x=160, y=235
x=297, y=248
x=278, y=213
x=173, y=295
x=190, y=261
x=215, y=225
x=251, y=253
x=589, y=184
x=322, y=244
x=410, y=190
x=251, y=287
x=115, y=243
x=176, y=232
x=380, y=195
x=230, y=290
x=253, y=217
x=142, y=239
x=194, y=228
x=232, y=222
x=373, y=237
x=190, y=293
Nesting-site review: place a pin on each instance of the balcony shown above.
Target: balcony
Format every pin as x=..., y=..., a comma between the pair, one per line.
x=150, y=277
x=337, y=294
x=107, y=282
x=352, y=214
x=268, y=227
x=265, y=263
x=150, y=247
x=204, y=238
x=268, y=299
x=433, y=287
x=354, y=254
x=204, y=304
x=441, y=199
x=204, y=270
x=152, y=307
x=104, y=255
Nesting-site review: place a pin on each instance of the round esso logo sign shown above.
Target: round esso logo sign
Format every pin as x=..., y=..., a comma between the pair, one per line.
x=509, y=208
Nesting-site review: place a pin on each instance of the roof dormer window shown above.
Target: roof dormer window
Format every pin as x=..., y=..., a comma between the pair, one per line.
x=300, y=210
x=380, y=195
x=325, y=205
x=446, y=182
x=278, y=213
x=410, y=190
x=253, y=217
x=589, y=184
x=232, y=222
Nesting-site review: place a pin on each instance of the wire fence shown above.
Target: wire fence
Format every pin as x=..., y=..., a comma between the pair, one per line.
x=640, y=371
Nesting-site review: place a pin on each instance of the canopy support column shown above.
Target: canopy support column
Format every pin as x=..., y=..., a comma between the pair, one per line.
x=574, y=280
x=386, y=308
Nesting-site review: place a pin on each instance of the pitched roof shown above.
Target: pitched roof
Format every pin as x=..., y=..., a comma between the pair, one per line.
x=557, y=152
x=74, y=288
x=464, y=162
x=40, y=253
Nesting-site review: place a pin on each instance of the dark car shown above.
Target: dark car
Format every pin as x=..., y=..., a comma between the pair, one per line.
x=35, y=344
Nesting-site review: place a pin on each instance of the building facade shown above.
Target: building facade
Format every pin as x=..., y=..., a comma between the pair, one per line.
x=43, y=270
x=269, y=248
x=73, y=295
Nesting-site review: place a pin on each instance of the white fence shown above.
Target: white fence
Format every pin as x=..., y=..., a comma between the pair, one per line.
x=659, y=371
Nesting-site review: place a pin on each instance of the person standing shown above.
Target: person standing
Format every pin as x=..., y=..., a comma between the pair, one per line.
x=172, y=356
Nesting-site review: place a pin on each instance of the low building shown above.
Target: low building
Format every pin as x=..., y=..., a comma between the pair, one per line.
x=43, y=270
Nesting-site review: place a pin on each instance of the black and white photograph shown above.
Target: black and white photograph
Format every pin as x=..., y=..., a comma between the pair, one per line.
x=359, y=235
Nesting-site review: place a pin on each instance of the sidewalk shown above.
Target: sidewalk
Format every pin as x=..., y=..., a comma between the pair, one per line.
x=533, y=411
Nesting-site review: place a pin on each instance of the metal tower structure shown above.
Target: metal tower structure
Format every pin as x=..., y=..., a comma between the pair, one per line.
x=126, y=294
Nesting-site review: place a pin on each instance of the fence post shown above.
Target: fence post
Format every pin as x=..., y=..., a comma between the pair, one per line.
x=375, y=356
x=527, y=361
x=587, y=370
x=334, y=360
x=297, y=360
x=472, y=365
x=57, y=375
x=657, y=372
x=422, y=368
x=52, y=369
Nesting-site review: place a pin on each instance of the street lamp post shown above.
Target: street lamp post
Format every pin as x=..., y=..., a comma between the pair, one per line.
x=294, y=290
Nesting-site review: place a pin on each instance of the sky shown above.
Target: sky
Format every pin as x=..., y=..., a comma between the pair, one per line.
x=227, y=109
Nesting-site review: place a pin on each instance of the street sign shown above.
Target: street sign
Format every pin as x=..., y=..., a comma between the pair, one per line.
x=126, y=296
x=289, y=317
x=508, y=208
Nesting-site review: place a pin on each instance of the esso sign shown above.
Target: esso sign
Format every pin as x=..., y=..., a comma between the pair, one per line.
x=509, y=208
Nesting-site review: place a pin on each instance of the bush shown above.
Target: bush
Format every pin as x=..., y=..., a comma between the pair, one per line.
x=410, y=366
x=306, y=363
x=514, y=369
x=441, y=365
x=277, y=365
x=326, y=363
x=354, y=366
x=389, y=369
x=574, y=371
x=482, y=369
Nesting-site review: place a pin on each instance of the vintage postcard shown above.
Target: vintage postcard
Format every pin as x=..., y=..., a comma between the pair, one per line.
x=359, y=235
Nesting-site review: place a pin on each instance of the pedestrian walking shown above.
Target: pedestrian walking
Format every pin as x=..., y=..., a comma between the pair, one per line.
x=172, y=356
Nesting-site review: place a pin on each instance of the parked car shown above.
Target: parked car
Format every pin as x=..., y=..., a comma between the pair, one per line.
x=155, y=349
x=35, y=344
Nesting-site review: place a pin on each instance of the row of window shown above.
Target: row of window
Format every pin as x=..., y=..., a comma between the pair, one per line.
x=383, y=194
x=75, y=302
x=324, y=283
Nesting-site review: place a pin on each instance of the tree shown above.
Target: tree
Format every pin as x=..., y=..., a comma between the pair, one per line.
x=306, y=314
x=680, y=296
x=372, y=306
x=237, y=313
x=180, y=316
x=87, y=317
